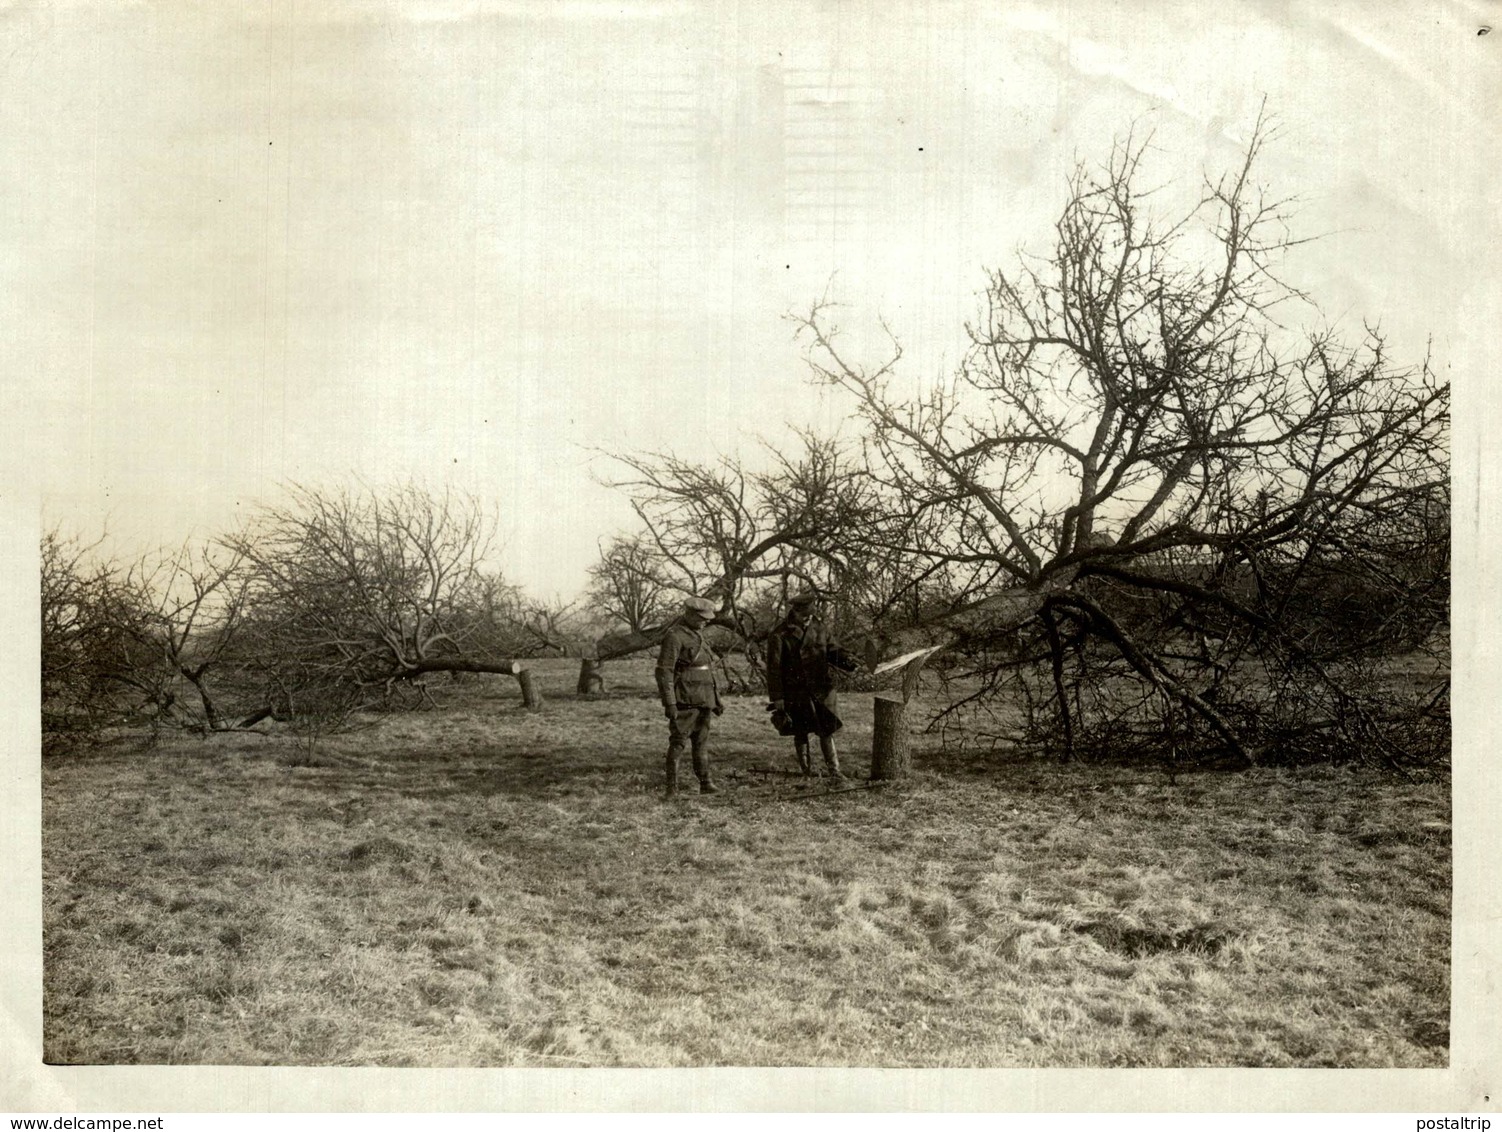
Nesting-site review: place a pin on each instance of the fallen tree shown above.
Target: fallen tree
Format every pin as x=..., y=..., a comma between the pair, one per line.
x=1141, y=489
x=351, y=594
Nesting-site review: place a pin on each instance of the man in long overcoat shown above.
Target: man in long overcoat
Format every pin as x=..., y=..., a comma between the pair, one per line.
x=689, y=691
x=801, y=657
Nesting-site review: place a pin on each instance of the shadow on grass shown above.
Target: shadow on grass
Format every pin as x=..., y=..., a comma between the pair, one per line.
x=1140, y=943
x=513, y=775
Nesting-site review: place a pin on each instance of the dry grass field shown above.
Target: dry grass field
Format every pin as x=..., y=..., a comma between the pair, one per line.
x=478, y=885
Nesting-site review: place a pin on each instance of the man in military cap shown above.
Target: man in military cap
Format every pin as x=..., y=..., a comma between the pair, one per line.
x=801, y=657
x=689, y=691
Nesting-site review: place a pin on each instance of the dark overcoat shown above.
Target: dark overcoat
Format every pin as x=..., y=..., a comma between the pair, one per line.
x=801, y=663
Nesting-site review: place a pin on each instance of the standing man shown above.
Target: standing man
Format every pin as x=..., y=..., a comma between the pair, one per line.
x=801, y=654
x=689, y=691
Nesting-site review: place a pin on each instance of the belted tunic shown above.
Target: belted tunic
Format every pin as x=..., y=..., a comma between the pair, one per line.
x=685, y=670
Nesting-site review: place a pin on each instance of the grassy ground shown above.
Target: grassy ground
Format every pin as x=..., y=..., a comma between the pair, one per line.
x=477, y=885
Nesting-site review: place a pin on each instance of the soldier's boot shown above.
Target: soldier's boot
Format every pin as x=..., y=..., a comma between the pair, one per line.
x=701, y=768
x=831, y=757
x=672, y=789
x=805, y=763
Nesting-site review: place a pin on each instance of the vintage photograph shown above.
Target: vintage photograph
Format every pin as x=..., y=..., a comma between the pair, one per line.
x=818, y=534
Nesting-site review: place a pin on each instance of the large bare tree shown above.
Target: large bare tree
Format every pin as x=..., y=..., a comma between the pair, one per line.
x=354, y=592
x=120, y=640
x=1141, y=478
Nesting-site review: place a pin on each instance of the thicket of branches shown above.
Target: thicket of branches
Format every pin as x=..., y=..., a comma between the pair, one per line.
x=122, y=643
x=1145, y=515
x=1206, y=528
x=743, y=538
x=330, y=601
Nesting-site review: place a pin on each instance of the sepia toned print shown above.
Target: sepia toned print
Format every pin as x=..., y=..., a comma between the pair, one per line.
x=1000, y=456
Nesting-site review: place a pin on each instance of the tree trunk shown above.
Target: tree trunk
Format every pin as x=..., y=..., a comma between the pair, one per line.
x=890, y=757
x=615, y=646
x=1158, y=675
x=591, y=680
x=531, y=694
x=461, y=664
x=1056, y=652
x=210, y=713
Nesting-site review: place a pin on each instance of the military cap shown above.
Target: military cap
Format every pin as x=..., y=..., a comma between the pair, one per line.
x=804, y=597
x=699, y=605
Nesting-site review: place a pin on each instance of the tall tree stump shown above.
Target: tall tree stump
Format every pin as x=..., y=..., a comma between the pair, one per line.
x=591, y=679
x=531, y=694
x=891, y=755
x=890, y=749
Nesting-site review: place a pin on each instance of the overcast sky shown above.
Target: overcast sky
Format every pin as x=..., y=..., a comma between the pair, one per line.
x=246, y=244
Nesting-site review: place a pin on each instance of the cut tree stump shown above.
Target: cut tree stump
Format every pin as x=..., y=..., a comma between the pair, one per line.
x=591, y=679
x=531, y=694
x=890, y=748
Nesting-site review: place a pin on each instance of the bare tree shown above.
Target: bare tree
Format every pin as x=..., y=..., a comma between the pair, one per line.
x=724, y=531
x=195, y=599
x=78, y=603
x=1140, y=478
x=324, y=604
x=629, y=584
x=501, y=619
x=353, y=592
x=122, y=640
